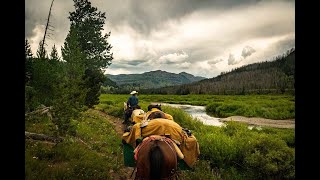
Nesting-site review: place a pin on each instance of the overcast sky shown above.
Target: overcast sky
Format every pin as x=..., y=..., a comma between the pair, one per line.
x=200, y=37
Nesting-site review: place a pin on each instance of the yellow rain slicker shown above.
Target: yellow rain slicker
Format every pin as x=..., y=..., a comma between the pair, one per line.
x=188, y=144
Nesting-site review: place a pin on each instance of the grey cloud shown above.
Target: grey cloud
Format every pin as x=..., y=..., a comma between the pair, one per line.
x=285, y=44
x=270, y=29
x=213, y=62
x=127, y=64
x=168, y=63
x=116, y=65
x=174, y=58
x=143, y=15
x=199, y=53
x=247, y=51
x=36, y=13
x=146, y=15
x=30, y=23
x=232, y=60
x=280, y=47
x=135, y=62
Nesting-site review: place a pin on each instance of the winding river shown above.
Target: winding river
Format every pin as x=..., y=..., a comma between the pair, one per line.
x=198, y=112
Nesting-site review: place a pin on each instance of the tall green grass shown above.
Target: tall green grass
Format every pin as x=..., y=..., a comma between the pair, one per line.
x=266, y=106
x=240, y=153
x=91, y=154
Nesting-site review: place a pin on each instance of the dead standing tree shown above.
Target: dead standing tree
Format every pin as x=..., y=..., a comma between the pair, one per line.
x=42, y=109
x=42, y=53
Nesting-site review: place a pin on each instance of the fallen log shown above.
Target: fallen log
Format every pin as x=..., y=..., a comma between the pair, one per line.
x=42, y=137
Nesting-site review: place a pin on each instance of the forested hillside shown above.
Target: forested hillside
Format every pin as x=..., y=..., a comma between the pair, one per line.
x=155, y=79
x=276, y=76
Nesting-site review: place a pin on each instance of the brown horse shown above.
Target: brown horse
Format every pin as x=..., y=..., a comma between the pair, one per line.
x=156, y=159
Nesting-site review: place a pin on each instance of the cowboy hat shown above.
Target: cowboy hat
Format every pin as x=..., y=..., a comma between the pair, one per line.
x=134, y=92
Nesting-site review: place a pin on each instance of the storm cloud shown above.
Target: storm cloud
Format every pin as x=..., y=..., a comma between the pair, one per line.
x=203, y=37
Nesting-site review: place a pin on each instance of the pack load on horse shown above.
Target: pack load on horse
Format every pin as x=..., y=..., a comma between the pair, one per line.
x=157, y=139
x=130, y=113
x=151, y=109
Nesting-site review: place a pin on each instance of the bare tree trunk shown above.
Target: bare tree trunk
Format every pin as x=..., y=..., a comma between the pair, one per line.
x=45, y=32
x=42, y=137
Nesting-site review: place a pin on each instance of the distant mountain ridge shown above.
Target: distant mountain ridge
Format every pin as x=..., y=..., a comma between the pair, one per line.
x=276, y=76
x=152, y=79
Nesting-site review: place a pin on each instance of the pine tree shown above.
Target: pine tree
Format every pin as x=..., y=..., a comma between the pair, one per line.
x=41, y=52
x=28, y=62
x=29, y=91
x=41, y=78
x=54, y=54
x=70, y=92
x=88, y=22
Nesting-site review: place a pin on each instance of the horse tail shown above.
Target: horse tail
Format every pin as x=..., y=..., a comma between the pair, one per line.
x=156, y=161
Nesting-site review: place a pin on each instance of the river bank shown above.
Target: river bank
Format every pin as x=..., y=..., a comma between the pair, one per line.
x=199, y=112
x=256, y=121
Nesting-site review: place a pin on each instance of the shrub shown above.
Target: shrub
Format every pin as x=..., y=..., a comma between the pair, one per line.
x=270, y=157
x=212, y=107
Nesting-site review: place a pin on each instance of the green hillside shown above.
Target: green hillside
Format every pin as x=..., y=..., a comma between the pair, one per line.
x=154, y=79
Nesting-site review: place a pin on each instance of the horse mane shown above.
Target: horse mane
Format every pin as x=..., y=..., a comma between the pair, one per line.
x=156, y=159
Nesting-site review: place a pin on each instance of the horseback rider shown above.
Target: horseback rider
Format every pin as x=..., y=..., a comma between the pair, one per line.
x=132, y=104
x=133, y=99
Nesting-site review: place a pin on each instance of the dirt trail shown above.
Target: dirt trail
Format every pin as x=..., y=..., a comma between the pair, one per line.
x=256, y=121
x=125, y=172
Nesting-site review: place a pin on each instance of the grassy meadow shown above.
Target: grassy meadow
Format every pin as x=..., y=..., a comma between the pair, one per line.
x=230, y=152
x=265, y=106
x=234, y=151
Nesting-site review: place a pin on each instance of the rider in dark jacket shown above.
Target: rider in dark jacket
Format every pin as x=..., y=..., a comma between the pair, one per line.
x=132, y=103
x=133, y=100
